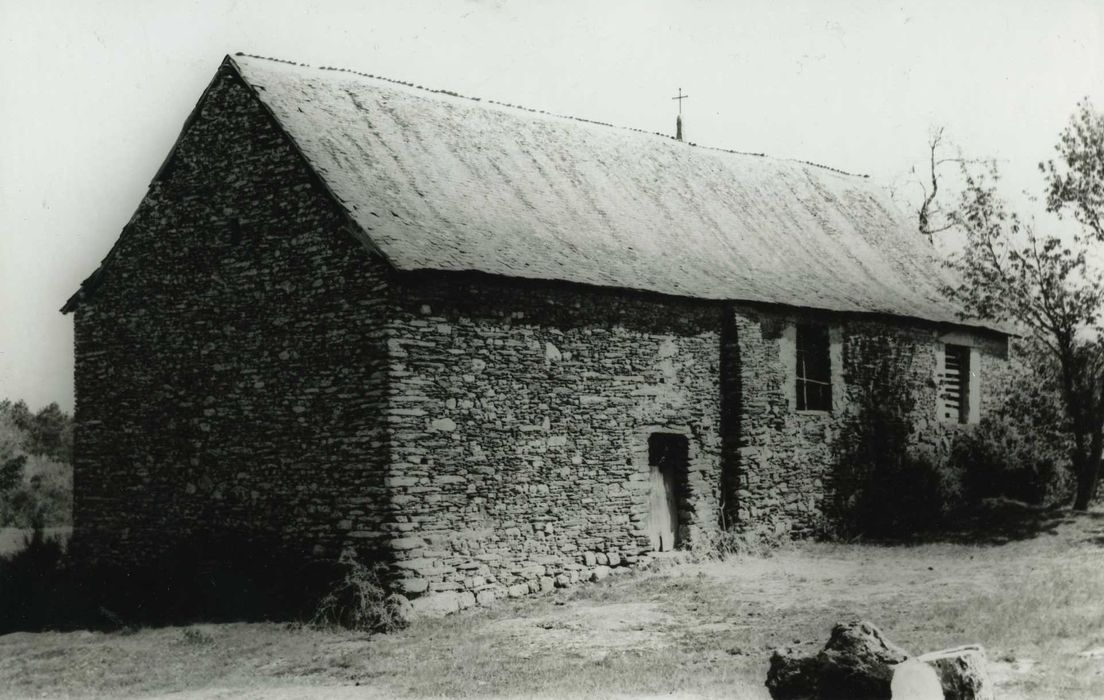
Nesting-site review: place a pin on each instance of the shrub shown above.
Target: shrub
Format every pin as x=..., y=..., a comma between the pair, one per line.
x=1021, y=449
x=359, y=601
x=885, y=485
x=206, y=577
x=999, y=458
x=217, y=576
x=193, y=636
x=30, y=585
x=725, y=543
x=901, y=494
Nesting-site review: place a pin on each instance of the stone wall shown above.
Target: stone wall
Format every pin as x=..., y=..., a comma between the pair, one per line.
x=783, y=459
x=246, y=368
x=520, y=416
x=230, y=362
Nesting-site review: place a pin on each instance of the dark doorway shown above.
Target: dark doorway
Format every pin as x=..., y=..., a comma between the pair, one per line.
x=668, y=457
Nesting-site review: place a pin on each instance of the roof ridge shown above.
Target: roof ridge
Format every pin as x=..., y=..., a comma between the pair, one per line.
x=523, y=108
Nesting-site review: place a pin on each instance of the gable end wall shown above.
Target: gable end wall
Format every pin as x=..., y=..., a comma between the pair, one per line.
x=230, y=369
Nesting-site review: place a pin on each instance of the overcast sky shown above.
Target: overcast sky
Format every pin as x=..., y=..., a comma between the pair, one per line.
x=93, y=94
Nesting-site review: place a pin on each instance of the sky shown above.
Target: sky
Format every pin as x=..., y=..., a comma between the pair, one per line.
x=93, y=95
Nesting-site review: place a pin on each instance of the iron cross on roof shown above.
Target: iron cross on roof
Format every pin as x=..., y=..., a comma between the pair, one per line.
x=680, y=98
x=678, y=120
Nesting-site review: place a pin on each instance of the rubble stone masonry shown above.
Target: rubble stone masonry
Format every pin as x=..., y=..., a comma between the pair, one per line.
x=519, y=417
x=230, y=361
x=783, y=459
x=246, y=366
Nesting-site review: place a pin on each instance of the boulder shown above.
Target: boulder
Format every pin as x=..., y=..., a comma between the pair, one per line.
x=859, y=662
x=915, y=680
x=856, y=662
x=962, y=672
x=793, y=676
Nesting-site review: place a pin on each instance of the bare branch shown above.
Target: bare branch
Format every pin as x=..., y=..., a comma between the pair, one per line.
x=925, y=213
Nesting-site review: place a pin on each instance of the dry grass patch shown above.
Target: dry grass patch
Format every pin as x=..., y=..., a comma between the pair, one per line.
x=700, y=630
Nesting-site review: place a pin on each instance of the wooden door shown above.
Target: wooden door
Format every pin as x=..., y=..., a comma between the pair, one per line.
x=667, y=458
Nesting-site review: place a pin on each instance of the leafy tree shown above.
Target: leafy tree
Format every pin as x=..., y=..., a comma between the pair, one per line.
x=1044, y=283
x=48, y=433
x=11, y=471
x=51, y=434
x=35, y=465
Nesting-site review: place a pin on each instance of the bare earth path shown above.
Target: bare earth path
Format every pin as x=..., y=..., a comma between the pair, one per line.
x=1035, y=602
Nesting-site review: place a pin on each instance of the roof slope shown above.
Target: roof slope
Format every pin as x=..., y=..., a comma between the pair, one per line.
x=443, y=182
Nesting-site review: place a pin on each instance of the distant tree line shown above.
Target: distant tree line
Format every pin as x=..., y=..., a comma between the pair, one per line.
x=36, y=472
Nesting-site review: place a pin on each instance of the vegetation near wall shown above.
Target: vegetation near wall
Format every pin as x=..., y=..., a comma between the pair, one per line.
x=889, y=487
x=885, y=486
x=1022, y=449
x=36, y=472
x=1048, y=283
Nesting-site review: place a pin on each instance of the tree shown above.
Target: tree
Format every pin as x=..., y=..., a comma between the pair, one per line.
x=930, y=216
x=11, y=472
x=1010, y=272
x=926, y=195
x=51, y=433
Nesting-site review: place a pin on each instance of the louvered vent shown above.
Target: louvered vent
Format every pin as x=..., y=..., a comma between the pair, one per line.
x=954, y=394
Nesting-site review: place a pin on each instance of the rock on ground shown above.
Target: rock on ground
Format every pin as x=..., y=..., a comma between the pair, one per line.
x=915, y=680
x=963, y=673
x=436, y=605
x=857, y=662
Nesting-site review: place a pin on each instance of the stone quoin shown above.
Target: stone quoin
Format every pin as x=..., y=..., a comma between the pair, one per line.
x=500, y=350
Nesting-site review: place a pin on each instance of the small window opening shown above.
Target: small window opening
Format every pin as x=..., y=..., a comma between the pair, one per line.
x=954, y=385
x=814, y=369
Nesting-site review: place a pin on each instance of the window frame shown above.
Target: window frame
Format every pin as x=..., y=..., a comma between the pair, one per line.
x=813, y=338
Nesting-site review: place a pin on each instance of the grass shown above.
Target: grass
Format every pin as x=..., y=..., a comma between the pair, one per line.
x=1032, y=598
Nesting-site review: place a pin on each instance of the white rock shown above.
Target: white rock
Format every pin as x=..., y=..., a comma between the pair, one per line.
x=551, y=353
x=518, y=590
x=437, y=605
x=486, y=598
x=915, y=680
x=443, y=424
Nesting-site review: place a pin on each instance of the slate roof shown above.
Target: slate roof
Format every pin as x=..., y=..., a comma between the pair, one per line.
x=437, y=181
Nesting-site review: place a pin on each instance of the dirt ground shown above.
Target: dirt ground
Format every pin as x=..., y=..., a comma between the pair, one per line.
x=1030, y=591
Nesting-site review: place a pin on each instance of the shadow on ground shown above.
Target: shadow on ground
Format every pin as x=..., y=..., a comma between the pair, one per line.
x=1001, y=521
